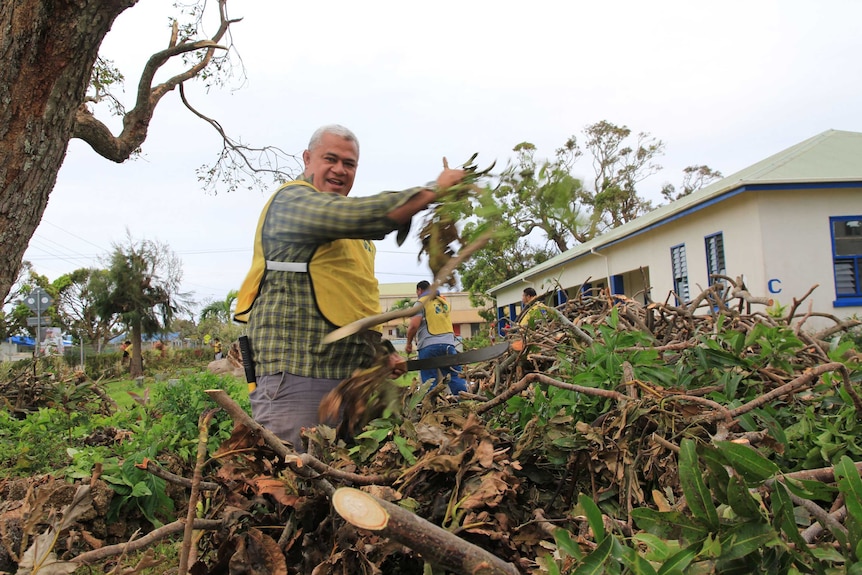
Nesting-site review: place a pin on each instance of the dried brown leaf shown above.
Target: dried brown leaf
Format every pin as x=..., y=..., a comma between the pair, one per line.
x=275, y=487
x=257, y=554
x=491, y=489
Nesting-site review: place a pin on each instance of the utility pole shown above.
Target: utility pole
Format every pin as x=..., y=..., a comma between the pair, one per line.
x=37, y=300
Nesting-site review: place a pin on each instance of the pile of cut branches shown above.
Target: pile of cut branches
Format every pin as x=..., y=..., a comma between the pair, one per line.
x=716, y=436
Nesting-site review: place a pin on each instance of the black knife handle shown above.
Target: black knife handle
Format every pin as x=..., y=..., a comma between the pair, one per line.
x=247, y=363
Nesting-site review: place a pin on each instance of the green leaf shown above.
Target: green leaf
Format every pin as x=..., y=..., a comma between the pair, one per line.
x=753, y=467
x=375, y=434
x=594, y=516
x=114, y=480
x=141, y=490
x=731, y=383
x=631, y=558
x=697, y=496
x=741, y=501
x=566, y=544
x=813, y=490
x=657, y=548
x=680, y=561
x=849, y=484
x=829, y=554
x=405, y=449
x=548, y=562
x=745, y=539
x=782, y=512
x=718, y=475
x=711, y=547
x=593, y=564
x=669, y=524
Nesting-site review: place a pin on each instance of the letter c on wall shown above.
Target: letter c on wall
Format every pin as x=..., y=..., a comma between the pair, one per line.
x=772, y=286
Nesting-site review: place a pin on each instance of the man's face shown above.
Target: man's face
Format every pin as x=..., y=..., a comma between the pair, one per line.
x=332, y=164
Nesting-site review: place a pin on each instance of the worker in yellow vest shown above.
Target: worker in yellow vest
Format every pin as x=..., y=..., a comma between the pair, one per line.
x=312, y=272
x=532, y=309
x=432, y=329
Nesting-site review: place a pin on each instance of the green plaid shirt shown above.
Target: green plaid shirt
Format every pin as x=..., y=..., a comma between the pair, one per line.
x=285, y=328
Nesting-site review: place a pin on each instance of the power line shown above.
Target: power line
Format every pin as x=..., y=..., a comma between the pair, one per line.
x=74, y=235
x=55, y=251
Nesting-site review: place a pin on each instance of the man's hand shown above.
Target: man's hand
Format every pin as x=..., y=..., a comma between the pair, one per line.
x=449, y=178
x=396, y=363
x=408, y=348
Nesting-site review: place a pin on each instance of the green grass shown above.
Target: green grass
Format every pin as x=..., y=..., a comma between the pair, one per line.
x=118, y=391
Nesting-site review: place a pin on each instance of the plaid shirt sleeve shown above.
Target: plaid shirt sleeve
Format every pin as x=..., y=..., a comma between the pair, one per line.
x=285, y=327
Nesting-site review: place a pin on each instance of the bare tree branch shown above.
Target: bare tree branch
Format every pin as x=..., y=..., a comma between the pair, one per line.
x=136, y=122
x=235, y=157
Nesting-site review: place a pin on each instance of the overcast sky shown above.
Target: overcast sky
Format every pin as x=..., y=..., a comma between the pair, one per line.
x=721, y=83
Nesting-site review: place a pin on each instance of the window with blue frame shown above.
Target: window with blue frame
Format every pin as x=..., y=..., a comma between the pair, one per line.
x=847, y=258
x=561, y=297
x=679, y=268
x=715, y=256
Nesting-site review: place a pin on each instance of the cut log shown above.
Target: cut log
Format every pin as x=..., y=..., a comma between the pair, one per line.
x=436, y=545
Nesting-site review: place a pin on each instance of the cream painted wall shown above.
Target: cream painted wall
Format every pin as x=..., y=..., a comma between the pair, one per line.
x=768, y=235
x=735, y=217
x=798, y=248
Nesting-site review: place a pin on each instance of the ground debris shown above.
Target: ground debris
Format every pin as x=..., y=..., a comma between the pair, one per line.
x=591, y=411
x=505, y=476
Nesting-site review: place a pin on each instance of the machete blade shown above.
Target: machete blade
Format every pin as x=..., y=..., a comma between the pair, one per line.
x=472, y=356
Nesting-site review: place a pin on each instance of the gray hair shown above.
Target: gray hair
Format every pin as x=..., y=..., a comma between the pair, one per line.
x=335, y=130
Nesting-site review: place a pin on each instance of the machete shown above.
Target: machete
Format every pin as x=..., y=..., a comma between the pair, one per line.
x=472, y=356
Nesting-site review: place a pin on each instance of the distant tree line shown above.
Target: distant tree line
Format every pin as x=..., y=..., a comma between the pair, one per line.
x=136, y=293
x=540, y=208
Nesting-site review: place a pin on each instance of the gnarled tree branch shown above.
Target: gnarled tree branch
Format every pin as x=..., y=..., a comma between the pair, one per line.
x=137, y=120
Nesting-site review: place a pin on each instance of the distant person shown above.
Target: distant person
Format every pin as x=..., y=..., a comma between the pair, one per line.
x=217, y=348
x=125, y=346
x=532, y=308
x=313, y=271
x=435, y=336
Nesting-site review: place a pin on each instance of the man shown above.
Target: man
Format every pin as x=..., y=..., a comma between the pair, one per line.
x=432, y=329
x=313, y=271
x=217, y=349
x=531, y=308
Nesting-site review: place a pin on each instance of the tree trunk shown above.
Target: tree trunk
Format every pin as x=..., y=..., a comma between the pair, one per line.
x=436, y=545
x=136, y=361
x=47, y=48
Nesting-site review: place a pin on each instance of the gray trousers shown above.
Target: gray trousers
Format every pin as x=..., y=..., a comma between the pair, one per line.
x=285, y=403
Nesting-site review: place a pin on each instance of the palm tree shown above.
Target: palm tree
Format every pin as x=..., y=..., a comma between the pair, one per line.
x=220, y=310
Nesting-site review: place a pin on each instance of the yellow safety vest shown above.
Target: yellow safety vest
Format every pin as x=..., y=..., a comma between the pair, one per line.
x=437, y=315
x=342, y=276
x=341, y=272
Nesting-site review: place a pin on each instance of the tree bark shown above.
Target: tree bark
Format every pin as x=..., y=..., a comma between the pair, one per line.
x=436, y=545
x=48, y=48
x=136, y=360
